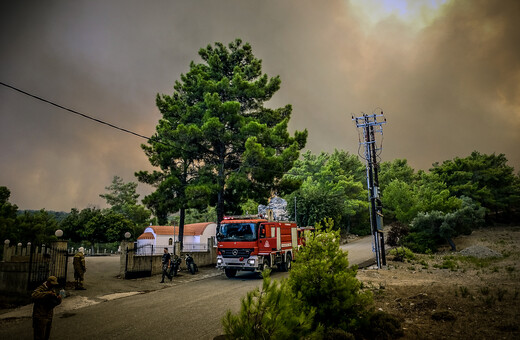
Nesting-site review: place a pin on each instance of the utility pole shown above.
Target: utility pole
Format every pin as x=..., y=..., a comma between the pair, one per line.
x=369, y=125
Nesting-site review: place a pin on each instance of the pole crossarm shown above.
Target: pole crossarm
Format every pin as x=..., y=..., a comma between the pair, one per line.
x=370, y=124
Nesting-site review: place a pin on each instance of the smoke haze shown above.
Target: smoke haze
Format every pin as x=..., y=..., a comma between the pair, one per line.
x=449, y=84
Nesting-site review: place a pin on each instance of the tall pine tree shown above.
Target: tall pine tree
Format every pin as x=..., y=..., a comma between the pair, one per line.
x=217, y=143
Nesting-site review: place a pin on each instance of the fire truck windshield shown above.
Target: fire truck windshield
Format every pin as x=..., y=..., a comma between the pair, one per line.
x=237, y=232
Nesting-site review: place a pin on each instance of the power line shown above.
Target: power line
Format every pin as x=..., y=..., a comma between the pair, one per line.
x=74, y=111
x=129, y=131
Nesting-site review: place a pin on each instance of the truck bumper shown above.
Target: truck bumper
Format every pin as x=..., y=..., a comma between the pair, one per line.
x=252, y=263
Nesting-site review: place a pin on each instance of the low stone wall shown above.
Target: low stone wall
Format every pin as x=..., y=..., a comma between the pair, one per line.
x=202, y=259
x=205, y=258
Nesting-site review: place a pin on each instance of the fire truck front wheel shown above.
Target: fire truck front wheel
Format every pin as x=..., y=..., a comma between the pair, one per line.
x=230, y=272
x=286, y=266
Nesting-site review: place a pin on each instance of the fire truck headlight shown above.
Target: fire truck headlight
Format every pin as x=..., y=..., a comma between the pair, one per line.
x=219, y=261
x=251, y=262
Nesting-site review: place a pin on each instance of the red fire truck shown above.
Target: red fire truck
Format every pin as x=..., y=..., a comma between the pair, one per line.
x=253, y=243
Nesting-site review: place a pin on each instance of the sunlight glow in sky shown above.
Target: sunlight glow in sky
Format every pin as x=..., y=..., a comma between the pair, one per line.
x=415, y=13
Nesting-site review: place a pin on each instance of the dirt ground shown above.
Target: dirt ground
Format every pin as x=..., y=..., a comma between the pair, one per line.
x=451, y=296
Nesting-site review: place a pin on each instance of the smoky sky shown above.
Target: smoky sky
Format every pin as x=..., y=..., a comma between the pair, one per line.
x=448, y=88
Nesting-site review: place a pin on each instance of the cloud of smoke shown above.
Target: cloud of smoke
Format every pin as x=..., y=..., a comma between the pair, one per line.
x=447, y=88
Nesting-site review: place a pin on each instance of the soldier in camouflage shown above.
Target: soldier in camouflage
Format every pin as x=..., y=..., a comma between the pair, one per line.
x=45, y=299
x=79, y=268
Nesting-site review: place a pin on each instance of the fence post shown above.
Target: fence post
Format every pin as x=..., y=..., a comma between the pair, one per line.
x=122, y=258
x=60, y=257
x=212, y=251
x=7, y=251
x=30, y=265
x=151, y=260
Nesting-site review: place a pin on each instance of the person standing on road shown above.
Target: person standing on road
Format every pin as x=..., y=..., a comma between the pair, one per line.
x=79, y=268
x=45, y=299
x=166, y=263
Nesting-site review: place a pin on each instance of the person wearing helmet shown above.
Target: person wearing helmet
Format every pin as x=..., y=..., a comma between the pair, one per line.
x=45, y=299
x=79, y=268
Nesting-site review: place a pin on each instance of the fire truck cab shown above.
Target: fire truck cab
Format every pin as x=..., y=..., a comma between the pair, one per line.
x=253, y=244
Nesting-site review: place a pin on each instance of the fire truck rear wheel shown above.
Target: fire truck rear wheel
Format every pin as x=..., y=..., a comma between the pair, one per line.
x=230, y=272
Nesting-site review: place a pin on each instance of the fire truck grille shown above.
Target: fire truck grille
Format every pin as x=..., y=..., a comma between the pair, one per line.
x=236, y=252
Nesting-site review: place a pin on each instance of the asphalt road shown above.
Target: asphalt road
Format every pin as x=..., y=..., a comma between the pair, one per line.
x=360, y=252
x=190, y=307
x=191, y=310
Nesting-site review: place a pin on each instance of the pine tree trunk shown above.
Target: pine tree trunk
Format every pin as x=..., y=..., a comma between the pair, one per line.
x=181, y=226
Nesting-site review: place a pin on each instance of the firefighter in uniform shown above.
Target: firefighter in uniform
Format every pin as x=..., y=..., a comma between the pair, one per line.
x=45, y=299
x=79, y=268
x=166, y=264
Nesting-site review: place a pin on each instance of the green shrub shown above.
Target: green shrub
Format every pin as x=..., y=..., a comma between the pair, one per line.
x=449, y=264
x=269, y=313
x=322, y=299
x=421, y=242
x=429, y=229
x=323, y=282
x=402, y=253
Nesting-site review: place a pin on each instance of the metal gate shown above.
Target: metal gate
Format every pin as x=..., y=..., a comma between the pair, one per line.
x=139, y=262
x=45, y=261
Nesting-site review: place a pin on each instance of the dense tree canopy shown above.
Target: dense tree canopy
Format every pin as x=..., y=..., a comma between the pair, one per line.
x=96, y=226
x=487, y=179
x=36, y=227
x=24, y=226
x=451, y=199
x=399, y=201
x=398, y=169
x=7, y=216
x=332, y=188
x=122, y=198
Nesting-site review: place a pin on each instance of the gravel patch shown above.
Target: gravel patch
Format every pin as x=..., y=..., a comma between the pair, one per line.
x=480, y=252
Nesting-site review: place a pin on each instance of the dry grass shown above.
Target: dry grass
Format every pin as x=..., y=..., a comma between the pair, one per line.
x=448, y=296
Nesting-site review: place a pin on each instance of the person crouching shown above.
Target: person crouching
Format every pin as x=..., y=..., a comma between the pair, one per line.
x=45, y=299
